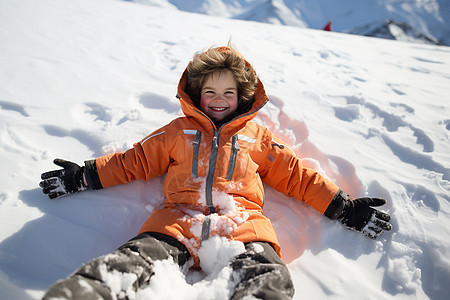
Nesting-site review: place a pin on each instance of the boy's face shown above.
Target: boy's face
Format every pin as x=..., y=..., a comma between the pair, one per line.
x=219, y=95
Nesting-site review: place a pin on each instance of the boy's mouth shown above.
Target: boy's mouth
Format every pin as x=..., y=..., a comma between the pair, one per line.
x=218, y=109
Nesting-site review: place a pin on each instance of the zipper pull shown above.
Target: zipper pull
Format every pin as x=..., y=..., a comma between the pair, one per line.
x=198, y=137
x=234, y=144
x=215, y=143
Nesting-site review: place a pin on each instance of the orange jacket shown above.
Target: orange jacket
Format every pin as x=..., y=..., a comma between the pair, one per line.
x=214, y=182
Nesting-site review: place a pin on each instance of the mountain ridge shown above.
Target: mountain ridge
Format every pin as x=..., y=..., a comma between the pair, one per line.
x=429, y=19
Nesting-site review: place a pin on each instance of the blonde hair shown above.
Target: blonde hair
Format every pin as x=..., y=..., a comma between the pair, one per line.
x=218, y=59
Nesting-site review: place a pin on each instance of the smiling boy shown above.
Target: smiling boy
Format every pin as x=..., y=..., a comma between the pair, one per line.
x=219, y=95
x=216, y=160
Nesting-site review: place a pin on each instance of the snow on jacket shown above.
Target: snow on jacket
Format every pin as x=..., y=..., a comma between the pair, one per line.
x=214, y=182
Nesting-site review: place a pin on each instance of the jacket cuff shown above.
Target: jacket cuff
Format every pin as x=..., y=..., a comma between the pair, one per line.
x=91, y=175
x=336, y=206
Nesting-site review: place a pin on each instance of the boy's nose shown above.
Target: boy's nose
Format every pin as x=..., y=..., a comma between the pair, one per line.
x=219, y=97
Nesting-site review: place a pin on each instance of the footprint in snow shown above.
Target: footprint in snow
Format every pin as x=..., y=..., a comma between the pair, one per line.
x=6, y=105
x=94, y=142
x=396, y=90
x=155, y=101
x=447, y=124
x=392, y=123
x=423, y=195
x=416, y=158
x=102, y=113
x=428, y=60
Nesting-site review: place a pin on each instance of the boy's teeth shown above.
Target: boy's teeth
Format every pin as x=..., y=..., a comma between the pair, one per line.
x=218, y=108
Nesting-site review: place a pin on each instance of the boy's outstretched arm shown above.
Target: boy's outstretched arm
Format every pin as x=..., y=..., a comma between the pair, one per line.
x=71, y=179
x=359, y=214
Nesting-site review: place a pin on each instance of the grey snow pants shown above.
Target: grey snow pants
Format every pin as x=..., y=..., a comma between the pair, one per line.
x=261, y=274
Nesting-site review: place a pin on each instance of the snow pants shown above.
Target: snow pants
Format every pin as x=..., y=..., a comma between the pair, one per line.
x=261, y=274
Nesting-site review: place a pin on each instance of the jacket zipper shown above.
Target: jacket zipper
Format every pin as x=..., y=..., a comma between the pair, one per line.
x=206, y=226
x=233, y=156
x=211, y=171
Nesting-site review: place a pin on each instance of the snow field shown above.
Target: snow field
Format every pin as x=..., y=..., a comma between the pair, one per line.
x=86, y=78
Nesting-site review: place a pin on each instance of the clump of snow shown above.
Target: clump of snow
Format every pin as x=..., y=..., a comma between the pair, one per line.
x=120, y=283
x=258, y=248
x=215, y=281
x=216, y=252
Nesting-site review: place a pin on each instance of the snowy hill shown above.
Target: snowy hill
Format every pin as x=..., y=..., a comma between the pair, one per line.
x=85, y=78
x=430, y=18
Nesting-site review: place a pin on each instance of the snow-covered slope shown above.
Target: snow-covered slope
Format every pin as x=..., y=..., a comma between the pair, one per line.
x=429, y=17
x=80, y=79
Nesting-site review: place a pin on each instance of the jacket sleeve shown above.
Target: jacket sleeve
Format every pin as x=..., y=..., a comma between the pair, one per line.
x=281, y=169
x=147, y=159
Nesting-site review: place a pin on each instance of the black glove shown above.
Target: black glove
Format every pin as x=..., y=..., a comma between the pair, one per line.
x=358, y=215
x=65, y=181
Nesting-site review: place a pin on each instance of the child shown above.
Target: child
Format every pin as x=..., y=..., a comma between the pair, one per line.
x=216, y=160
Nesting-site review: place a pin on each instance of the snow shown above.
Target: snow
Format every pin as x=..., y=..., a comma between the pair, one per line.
x=85, y=78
